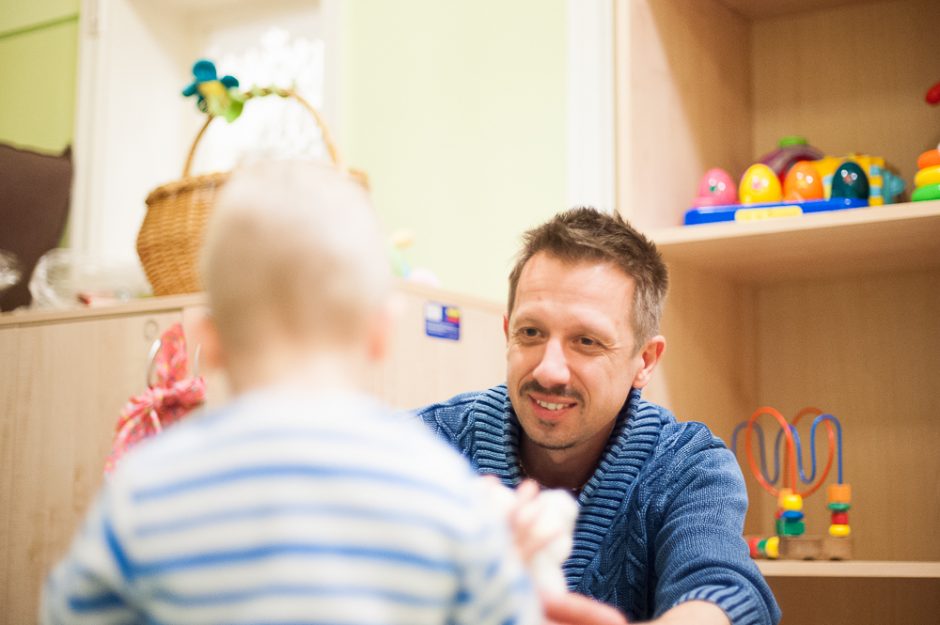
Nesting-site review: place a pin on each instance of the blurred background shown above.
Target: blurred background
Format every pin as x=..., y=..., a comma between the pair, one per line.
x=473, y=120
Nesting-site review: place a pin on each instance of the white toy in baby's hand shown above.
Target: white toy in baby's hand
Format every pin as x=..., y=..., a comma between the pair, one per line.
x=542, y=523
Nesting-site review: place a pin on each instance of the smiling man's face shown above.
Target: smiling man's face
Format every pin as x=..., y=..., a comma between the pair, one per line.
x=571, y=353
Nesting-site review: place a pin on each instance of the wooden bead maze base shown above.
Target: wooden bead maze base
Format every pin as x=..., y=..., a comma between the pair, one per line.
x=815, y=548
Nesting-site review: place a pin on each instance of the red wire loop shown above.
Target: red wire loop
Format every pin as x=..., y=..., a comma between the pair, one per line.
x=789, y=458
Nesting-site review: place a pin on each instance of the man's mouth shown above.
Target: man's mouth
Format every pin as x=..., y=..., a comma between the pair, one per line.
x=551, y=405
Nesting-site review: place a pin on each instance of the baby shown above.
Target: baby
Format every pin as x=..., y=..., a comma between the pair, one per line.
x=300, y=501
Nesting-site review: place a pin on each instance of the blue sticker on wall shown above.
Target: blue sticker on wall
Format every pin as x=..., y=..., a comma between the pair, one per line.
x=442, y=321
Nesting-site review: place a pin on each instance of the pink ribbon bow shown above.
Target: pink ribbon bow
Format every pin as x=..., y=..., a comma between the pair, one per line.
x=164, y=402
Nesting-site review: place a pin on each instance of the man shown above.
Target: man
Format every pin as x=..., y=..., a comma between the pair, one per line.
x=662, y=503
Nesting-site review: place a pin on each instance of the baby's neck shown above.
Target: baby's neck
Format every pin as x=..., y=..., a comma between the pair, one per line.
x=307, y=370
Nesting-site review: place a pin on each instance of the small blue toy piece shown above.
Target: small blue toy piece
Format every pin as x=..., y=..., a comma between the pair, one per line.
x=214, y=95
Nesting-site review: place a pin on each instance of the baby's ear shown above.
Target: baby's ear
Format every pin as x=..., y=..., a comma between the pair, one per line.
x=205, y=335
x=379, y=332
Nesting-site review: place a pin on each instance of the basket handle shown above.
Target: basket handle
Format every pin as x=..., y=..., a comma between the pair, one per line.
x=284, y=93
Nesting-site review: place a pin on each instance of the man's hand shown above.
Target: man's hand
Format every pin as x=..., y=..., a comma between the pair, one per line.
x=574, y=609
x=698, y=612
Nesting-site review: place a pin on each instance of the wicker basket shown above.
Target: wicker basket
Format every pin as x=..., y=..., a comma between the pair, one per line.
x=171, y=234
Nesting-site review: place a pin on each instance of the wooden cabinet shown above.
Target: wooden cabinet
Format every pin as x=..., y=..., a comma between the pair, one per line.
x=64, y=377
x=63, y=381
x=834, y=310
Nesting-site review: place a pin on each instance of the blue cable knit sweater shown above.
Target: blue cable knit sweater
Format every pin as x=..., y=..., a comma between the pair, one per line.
x=661, y=517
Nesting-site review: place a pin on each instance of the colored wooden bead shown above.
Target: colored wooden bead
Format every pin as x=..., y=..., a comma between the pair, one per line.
x=790, y=502
x=772, y=547
x=793, y=528
x=839, y=493
x=839, y=531
x=838, y=507
x=840, y=518
x=753, y=545
x=794, y=515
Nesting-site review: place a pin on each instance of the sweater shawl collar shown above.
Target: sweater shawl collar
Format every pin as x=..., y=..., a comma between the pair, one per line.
x=495, y=451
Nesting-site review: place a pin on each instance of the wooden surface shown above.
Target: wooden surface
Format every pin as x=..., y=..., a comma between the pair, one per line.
x=882, y=239
x=702, y=85
x=868, y=351
x=62, y=386
x=850, y=79
x=761, y=9
x=857, y=601
x=683, y=105
x=836, y=310
x=855, y=568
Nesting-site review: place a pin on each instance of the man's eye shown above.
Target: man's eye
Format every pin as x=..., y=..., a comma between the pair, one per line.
x=586, y=341
x=529, y=332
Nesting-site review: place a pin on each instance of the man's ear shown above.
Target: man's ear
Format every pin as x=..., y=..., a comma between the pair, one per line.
x=651, y=353
x=506, y=327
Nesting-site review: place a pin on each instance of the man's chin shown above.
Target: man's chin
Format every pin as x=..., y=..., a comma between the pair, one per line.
x=550, y=444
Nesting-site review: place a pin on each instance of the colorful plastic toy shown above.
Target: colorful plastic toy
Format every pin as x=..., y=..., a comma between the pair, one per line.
x=759, y=184
x=884, y=186
x=927, y=178
x=215, y=96
x=715, y=189
x=933, y=95
x=807, y=186
x=790, y=541
x=790, y=151
x=803, y=183
x=849, y=181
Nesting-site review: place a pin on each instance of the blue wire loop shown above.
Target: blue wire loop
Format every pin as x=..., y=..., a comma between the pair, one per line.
x=799, y=450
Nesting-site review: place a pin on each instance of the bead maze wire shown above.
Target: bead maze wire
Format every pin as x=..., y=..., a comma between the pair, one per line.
x=792, y=465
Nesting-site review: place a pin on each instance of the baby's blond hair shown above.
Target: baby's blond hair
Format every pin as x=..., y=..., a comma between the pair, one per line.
x=293, y=247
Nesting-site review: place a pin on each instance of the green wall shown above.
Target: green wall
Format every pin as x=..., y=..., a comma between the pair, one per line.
x=457, y=111
x=38, y=63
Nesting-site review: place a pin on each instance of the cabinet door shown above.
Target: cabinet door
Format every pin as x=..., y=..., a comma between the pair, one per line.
x=421, y=369
x=62, y=386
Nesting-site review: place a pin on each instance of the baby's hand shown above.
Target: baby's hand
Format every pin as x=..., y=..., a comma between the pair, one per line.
x=542, y=524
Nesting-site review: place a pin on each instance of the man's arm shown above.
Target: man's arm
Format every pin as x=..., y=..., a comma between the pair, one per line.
x=575, y=609
x=698, y=502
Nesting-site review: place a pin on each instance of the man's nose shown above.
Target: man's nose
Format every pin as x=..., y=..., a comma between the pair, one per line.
x=553, y=370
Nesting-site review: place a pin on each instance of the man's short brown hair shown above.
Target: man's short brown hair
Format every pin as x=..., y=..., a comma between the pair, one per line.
x=586, y=234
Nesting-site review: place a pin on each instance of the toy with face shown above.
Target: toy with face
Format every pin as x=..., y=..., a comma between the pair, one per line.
x=802, y=183
x=716, y=188
x=759, y=184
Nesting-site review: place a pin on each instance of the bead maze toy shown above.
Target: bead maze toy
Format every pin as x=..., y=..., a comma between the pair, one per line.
x=790, y=542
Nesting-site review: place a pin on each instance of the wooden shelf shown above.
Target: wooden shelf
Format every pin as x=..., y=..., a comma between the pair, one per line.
x=758, y=9
x=897, y=237
x=860, y=568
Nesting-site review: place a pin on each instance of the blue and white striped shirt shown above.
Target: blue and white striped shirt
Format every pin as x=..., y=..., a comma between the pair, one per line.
x=289, y=507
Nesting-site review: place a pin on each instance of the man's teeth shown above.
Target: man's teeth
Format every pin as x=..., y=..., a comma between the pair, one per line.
x=550, y=406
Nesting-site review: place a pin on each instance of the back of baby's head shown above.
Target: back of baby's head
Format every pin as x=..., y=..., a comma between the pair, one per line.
x=293, y=247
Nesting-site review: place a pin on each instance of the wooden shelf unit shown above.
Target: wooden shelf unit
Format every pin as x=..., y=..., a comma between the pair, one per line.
x=836, y=310
x=855, y=568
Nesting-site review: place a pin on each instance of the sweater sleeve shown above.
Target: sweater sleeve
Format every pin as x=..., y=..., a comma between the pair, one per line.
x=700, y=553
